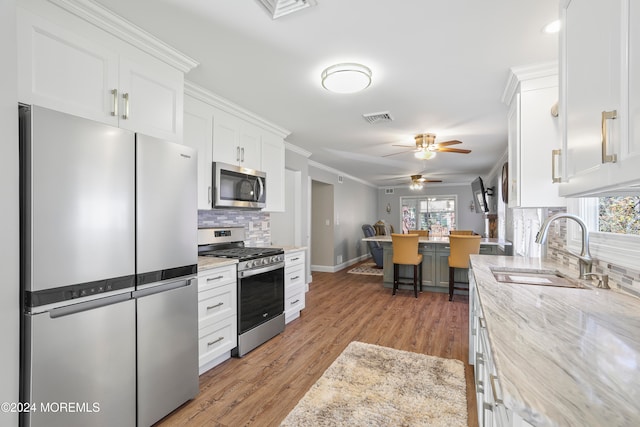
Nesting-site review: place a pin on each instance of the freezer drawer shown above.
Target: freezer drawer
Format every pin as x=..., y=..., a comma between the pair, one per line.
x=79, y=367
x=167, y=323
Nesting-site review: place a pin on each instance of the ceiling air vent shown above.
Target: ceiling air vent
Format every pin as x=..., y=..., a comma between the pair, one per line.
x=278, y=8
x=385, y=116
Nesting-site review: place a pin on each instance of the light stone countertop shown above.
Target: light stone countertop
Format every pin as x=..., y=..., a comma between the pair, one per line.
x=209, y=262
x=485, y=241
x=563, y=356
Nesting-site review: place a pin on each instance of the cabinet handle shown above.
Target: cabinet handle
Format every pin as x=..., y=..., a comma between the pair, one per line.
x=237, y=153
x=607, y=115
x=496, y=399
x=125, y=96
x=555, y=157
x=294, y=278
x=114, y=96
x=220, y=304
x=209, y=194
x=483, y=325
x=211, y=279
x=242, y=154
x=294, y=259
x=295, y=302
x=215, y=341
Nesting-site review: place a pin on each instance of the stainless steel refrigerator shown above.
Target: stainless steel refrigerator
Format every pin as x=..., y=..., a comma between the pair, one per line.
x=106, y=217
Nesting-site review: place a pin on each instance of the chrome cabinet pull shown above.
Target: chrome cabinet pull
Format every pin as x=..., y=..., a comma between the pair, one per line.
x=125, y=96
x=242, y=154
x=295, y=302
x=237, y=153
x=607, y=115
x=114, y=96
x=496, y=399
x=294, y=278
x=294, y=259
x=220, y=304
x=555, y=158
x=209, y=194
x=211, y=279
x=215, y=341
x=483, y=325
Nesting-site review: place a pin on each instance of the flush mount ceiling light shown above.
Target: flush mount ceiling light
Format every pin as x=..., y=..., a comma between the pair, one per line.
x=346, y=78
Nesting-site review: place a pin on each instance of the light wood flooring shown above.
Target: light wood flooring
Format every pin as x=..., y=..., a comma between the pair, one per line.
x=261, y=388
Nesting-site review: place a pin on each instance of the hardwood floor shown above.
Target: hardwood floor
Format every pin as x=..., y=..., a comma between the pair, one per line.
x=261, y=388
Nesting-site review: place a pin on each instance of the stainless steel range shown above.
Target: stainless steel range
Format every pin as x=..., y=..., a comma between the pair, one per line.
x=260, y=284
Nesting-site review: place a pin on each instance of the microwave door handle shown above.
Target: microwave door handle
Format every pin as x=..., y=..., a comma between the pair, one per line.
x=261, y=190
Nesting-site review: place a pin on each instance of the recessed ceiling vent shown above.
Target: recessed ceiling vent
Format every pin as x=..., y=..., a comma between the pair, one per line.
x=372, y=118
x=278, y=8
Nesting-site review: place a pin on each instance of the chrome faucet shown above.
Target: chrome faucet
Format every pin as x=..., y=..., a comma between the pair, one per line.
x=585, y=261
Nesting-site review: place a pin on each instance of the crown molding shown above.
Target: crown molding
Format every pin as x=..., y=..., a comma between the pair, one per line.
x=289, y=146
x=339, y=173
x=103, y=18
x=527, y=72
x=208, y=97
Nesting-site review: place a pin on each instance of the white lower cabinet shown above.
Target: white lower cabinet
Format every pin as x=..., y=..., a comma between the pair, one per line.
x=490, y=404
x=294, y=284
x=217, y=315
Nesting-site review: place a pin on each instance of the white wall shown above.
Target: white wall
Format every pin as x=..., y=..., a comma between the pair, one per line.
x=9, y=242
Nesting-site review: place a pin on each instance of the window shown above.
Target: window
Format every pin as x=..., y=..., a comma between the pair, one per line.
x=614, y=226
x=434, y=213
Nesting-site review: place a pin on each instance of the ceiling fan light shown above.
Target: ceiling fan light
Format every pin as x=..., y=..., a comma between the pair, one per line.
x=346, y=78
x=425, y=154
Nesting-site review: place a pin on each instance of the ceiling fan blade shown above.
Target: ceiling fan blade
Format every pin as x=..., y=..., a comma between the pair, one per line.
x=451, y=150
x=445, y=143
x=395, y=154
x=431, y=180
x=402, y=145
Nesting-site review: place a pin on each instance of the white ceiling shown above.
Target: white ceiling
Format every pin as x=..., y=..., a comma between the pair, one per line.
x=438, y=66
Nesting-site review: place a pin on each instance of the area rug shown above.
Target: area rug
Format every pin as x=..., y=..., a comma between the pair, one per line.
x=370, y=385
x=368, y=268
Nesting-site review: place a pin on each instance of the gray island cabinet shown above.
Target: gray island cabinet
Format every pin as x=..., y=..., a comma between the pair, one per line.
x=435, y=261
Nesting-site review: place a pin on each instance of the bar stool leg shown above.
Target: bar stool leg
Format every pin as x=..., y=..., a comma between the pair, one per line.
x=395, y=278
x=415, y=280
x=451, y=270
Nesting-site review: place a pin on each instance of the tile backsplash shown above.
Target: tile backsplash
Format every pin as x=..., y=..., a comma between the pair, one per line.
x=256, y=224
x=622, y=277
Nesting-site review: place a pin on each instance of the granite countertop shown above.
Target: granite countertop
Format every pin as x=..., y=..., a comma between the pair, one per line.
x=439, y=240
x=563, y=356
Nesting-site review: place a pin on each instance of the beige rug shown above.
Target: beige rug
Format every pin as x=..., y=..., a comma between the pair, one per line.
x=370, y=385
x=368, y=268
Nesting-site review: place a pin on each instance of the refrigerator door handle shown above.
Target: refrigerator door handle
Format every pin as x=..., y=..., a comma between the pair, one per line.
x=163, y=288
x=89, y=305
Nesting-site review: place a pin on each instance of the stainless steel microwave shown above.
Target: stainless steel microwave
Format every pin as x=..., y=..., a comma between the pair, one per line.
x=238, y=187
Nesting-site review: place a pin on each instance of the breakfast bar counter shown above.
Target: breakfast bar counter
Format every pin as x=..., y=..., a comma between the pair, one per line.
x=435, y=264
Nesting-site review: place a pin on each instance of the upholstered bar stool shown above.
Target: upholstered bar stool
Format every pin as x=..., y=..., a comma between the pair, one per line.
x=421, y=233
x=461, y=246
x=405, y=252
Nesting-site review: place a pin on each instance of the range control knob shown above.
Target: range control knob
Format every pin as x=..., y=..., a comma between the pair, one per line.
x=248, y=265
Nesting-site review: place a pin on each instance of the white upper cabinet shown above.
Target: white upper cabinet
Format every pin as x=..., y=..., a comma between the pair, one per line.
x=71, y=65
x=273, y=153
x=534, y=136
x=599, y=96
x=235, y=141
x=224, y=132
x=198, y=134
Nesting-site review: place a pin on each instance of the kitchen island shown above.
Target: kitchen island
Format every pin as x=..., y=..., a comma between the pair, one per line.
x=435, y=263
x=552, y=356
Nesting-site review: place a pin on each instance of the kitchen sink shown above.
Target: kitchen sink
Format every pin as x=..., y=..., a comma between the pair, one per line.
x=537, y=277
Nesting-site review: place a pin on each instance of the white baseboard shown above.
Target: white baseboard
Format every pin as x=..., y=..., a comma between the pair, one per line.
x=335, y=268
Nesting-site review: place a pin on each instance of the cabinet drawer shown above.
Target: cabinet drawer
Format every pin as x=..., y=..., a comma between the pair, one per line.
x=217, y=339
x=294, y=276
x=294, y=300
x=216, y=304
x=294, y=258
x=209, y=279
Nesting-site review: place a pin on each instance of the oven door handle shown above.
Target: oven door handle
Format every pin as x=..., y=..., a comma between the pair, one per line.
x=256, y=271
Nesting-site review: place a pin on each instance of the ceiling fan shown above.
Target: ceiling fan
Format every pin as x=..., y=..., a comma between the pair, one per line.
x=418, y=180
x=426, y=147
